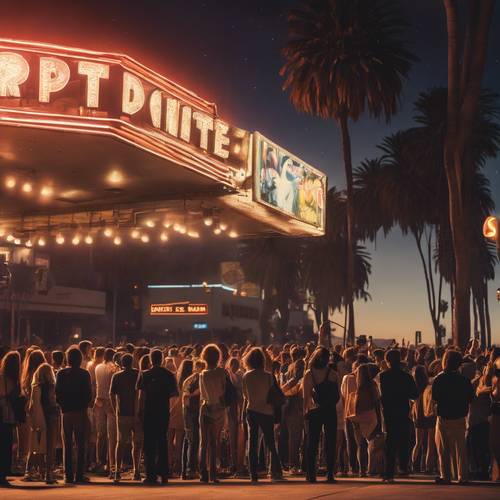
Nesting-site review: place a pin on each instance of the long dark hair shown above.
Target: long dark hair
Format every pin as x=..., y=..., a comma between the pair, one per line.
x=10, y=367
x=421, y=378
x=185, y=370
x=320, y=358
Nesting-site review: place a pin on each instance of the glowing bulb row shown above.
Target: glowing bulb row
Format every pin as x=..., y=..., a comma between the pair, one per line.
x=27, y=187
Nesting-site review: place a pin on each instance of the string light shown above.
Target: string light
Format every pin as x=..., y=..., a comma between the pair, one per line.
x=27, y=187
x=89, y=240
x=10, y=182
x=217, y=231
x=108, y=232
x=60, y=239
x=233, y=234
x=223, y=226
x=76, y=240
x=135, y=234
x=150, y=223
x=164, y=236
x=117, y=240
x=145, y=238
x=46, y=191
x=41, y=242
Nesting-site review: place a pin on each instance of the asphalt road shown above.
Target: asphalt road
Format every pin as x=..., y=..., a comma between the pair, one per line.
x=351, y=489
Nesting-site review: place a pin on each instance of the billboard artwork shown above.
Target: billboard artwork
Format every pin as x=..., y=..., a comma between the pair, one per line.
x=286, y=183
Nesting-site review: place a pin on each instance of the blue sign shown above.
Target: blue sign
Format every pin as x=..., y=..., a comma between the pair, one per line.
x=200, y=326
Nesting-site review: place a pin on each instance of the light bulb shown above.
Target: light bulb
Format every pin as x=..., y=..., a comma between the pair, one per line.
x=193, y=234
x=115, y=177
x=89, y=240
x=41, y=242
x=27, y=187
x=47, y=191
x=150, y=223
x=233, y=234
x=29, y=243
x=135, y=234
x=76, y=240
x=117, y=240
x=60, y=239
x=2, y=232
x=164, y=236
x=10, y=182
x=182, y=230
x=108, y=232
x=145, y=238
x=166, y=224
x=17, y=241
x=208, y=221
x=217, y=230
x=223, y=226
x=10, y=237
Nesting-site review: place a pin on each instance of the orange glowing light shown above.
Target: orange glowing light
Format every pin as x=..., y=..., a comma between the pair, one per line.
x=490, y=228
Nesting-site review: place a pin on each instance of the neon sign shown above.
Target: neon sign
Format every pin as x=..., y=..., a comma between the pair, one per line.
x=142, y=107
x=178, y=309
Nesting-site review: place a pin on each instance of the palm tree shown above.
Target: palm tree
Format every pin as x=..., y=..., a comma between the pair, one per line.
x=467, y=53
x=407, y=187
x=273, y=264
x=323, y=262
x=344, y=57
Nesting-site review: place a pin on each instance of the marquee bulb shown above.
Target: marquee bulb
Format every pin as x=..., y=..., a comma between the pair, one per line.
x=10, y=237
x=47, y=191
x=145, y=238
x=117, y=240
x=76, y=240
x=27, y=187
x=164, y=236
x=150, y=223
x=135, y=234
x=108, y=232
x=41, y=242
x=29, y=243
x=89, y=240
x=10, y=182
x=233, y=234
x=60, y=239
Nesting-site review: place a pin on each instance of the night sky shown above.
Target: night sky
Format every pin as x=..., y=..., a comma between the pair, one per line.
x=229, y=52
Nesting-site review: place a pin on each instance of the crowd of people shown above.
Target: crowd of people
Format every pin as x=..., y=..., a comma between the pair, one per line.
x=212, y=412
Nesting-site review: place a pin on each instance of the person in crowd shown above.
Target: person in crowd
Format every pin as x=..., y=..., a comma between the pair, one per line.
x=44, y=417
x=156, y=386
x=397, y=388
x=123, y=396
x=31, y=363
x=321, y=394
x=176, y=422
x=191, y=416
x=453, y=394
x=57, y=358
x=105, y=418
x=85, y=347
x=495, y=423
x=74, y=395
x=234, y=412
x=257, y=384
x=10, y=396
x=424, y=449
x=213, y=380
x=97, y=359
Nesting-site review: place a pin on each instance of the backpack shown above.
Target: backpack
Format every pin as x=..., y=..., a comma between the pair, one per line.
x=325, y=394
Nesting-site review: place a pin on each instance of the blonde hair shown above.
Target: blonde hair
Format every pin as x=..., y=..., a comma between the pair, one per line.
x=44, y=373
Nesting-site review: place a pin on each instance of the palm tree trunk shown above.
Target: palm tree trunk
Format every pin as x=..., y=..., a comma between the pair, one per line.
x=346, y=149
x=487, y=314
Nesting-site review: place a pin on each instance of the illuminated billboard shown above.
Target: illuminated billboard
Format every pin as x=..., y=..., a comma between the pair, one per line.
x=178, y=309
x=286, y=183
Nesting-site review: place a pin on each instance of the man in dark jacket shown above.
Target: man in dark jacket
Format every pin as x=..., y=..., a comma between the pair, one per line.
x=397, y=388
x=453, y=394
x=156, y=386
x=74, y=395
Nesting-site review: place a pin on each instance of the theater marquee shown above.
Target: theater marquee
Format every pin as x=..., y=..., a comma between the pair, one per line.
x=178, y=309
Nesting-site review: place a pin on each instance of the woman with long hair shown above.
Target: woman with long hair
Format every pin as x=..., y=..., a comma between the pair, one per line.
x=212, y=411
x=424, y=425
x=321, y=394
x=32, y=361
x=44, y=417
x=10, y=389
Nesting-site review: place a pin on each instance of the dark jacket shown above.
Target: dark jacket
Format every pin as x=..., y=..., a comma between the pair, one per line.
x=73, y=389
x=397, y=388
x=453, y=394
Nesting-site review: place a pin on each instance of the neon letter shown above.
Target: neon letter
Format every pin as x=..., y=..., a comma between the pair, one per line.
x=54, y=76
x=172, y=118
x=186, y=123
x=204, y=123
x=94, y=72
x=221, y=139
x=133, y=97
x=14, y=70
x=155, y=108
